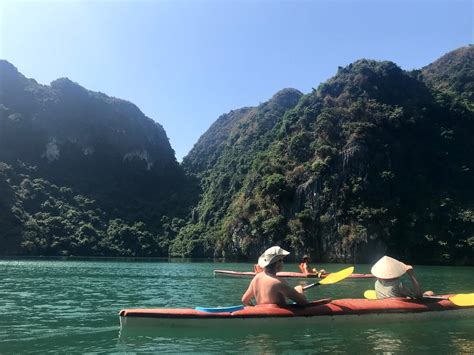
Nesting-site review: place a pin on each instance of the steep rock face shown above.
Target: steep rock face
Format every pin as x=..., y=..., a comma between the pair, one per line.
x=210, y=145
x=64, y=117
x=374, y=161
x=221, y=159
x=102, y=148
x=235, y=127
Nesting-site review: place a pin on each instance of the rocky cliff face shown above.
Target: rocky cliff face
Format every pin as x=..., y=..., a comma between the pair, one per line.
x=222, y=159
x=374, y=161
x=44, y=124
x=101, y=147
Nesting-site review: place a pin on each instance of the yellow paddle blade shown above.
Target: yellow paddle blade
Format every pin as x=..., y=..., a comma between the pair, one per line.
x=370, y=294
x=463, y=299
x=334, y=277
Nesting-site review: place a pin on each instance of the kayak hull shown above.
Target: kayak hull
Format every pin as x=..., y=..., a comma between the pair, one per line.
x=245, y=323
x=323, y=311
x=285, y=274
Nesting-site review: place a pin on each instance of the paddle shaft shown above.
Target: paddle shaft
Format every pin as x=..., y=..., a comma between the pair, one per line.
x=333, y=277
x=436, y=297
x=371, y=295
x=461, y=300
x=311, y=285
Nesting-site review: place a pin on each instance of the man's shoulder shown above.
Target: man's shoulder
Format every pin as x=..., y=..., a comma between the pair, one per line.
x=270, y=278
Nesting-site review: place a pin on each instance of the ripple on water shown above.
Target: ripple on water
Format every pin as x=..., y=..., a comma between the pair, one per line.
x=64, y=306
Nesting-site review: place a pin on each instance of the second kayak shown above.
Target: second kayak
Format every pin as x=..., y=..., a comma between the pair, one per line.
x=285, y=274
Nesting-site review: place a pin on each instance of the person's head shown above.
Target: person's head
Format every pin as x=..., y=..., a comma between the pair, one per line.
x=272, y=259
x=275, y=267
x=388, y=268
x=306, y=258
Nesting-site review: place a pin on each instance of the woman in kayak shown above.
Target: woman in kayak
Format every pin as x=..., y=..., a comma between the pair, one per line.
x=267, y=288
x=388, y=272
x=305, y=269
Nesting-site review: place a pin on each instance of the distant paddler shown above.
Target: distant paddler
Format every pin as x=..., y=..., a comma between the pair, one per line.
x=305, y=268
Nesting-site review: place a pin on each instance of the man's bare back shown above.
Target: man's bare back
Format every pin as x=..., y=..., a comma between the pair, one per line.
x=269, y=289
x=266, y=287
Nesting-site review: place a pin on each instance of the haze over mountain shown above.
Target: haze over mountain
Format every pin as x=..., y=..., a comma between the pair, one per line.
x=376, y=160
x=65, y=151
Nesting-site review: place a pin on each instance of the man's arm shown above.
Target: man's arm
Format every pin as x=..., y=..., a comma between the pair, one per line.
x=306, y=269
x=295, y=294
x=416, y=286
x=248, y=295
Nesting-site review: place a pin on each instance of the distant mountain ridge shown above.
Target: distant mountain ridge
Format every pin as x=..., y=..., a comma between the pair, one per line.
x=104, y=149
x=375, y=161
x=453, y=73
x=65, y=112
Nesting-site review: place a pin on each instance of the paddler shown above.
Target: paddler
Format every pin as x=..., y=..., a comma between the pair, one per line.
x=267, y=288
x=388, y=272
x=305, y=268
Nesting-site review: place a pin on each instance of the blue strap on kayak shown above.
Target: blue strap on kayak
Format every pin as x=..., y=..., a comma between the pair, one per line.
x=219, y=309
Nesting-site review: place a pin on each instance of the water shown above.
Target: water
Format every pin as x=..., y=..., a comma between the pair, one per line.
x=72, y=307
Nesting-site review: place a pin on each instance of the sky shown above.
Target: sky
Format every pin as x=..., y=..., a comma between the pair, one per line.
x=186, y=62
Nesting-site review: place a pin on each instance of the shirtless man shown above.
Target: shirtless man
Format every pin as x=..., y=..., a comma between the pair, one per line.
x=266, y=287
x=305, y=269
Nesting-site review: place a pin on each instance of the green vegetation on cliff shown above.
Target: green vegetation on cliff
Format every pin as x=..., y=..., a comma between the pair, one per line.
x=376, y=159
x=83, y=173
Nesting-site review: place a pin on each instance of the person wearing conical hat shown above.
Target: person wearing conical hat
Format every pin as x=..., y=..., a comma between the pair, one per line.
x=266, y=287
x=388, y=272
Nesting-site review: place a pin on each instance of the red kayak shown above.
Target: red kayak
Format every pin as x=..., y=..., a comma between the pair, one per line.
x=284, y=274
x=323, y=310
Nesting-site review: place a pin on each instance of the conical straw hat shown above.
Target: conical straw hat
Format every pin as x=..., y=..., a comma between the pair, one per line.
x=388, y=268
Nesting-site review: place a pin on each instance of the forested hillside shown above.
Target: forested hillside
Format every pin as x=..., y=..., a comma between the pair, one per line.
x=83, y=173
x=222, y=159
x=375, y=160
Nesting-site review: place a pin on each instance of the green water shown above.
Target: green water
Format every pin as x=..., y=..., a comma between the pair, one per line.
x=72, y=307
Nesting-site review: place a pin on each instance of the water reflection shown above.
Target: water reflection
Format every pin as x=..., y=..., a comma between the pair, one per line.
x=407, y=337
x=461, y=344
x=62, y=307
x=384, y=340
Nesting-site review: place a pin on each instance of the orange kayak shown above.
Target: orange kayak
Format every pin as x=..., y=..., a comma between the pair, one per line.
x=325, y=310
x=285, y=274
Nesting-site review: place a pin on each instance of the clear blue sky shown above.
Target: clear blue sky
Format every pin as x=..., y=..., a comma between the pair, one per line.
x=184, y=63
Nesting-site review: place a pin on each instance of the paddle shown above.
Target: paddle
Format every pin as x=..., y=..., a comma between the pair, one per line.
x=461, y=300
x=220, y=309
x=333, y=277
x=370, y=294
